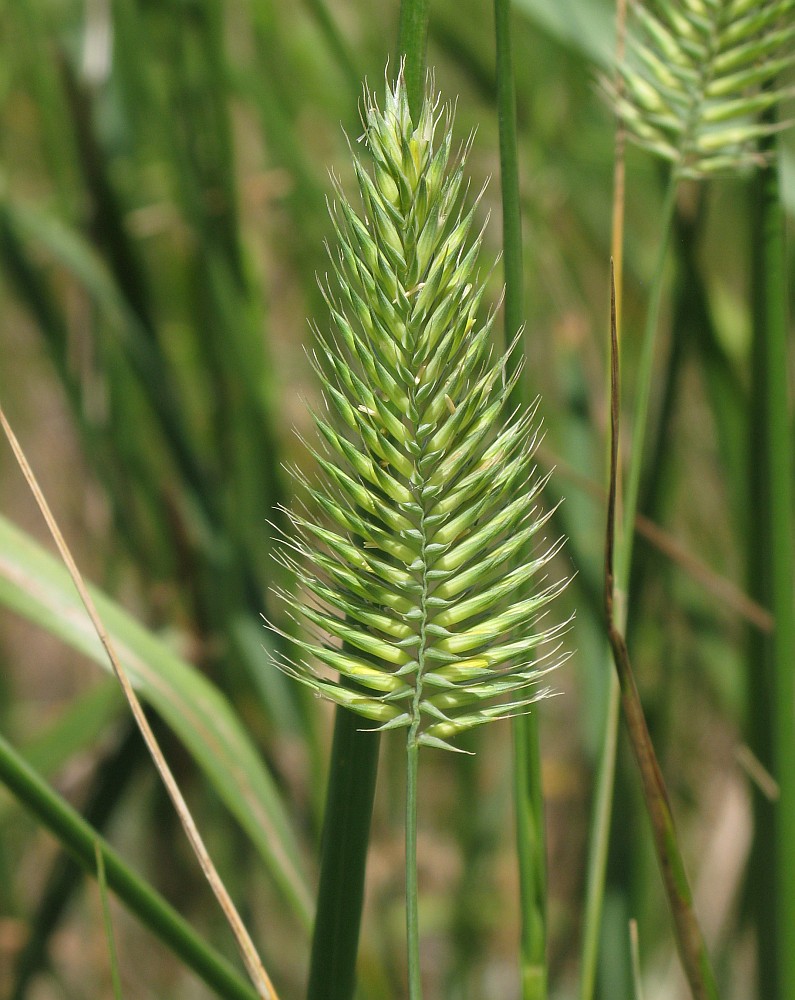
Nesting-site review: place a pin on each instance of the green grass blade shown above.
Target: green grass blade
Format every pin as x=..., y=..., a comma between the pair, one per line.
x=599, y=841
x=109, y=788
x=771, y=682
x=35, y=585
x=81, y=840
x=529, y=802
x=346, y=831
x=412, y=42
x=107, y=921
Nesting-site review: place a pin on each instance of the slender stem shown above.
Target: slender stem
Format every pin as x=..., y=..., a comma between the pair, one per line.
x=599, y=840
x=108, y=922
x=412, y=43
x=82, y=841
x=603, y=803
x=509, y=180
x=689, y=939
x=531, y=848
x=412, y=892
x=601, y=813
x=643, y=397
x=771, y=676
x=65, y=880
x=528, y=792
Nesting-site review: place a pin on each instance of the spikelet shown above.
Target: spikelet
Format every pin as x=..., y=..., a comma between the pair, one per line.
x=428, y=498
x=699, y=80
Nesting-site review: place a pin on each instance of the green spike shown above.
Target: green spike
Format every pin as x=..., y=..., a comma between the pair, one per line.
x=427, y=488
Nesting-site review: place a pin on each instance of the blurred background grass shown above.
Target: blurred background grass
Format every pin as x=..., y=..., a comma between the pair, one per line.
x=162, y=218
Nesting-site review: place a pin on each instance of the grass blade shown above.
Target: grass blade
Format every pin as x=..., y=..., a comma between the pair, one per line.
x=33, y=584
x=771, y=683
x=529, y=800
x=110, y=785
x=346, y=831
x=106, y=919
x=412, y=43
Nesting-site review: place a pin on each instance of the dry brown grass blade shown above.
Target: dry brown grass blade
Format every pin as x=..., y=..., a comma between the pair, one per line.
x=251, y=959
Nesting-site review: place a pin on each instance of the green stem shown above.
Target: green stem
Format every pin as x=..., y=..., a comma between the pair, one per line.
x=108, y=922
x=531, y=847
x=530, y=835
x=603, y=803
x=771, y=674
x=689, y=940
x=643, y=400
x=509, y=181
x=412, y=892
x=78, y=837
x=599, y=840
x=111, y=783
x=412, y=44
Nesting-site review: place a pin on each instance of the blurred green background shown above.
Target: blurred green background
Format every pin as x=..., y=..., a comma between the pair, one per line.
x=164, y=173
